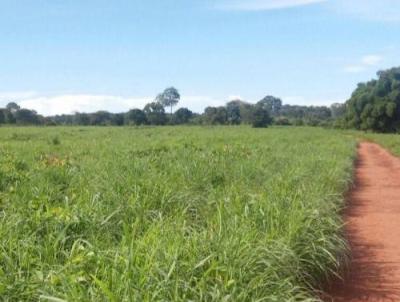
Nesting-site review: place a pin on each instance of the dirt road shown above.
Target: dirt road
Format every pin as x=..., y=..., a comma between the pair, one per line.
x=373, y=229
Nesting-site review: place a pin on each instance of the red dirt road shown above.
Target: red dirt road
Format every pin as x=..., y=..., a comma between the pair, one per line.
x=373, y=229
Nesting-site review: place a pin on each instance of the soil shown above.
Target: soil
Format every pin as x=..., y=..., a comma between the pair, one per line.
x=373, y=230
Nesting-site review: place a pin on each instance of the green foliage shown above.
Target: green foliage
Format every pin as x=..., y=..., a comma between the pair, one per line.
x=55, y=140
x=272, y=104
x=13, y=107
x=135, y=117
x=387, y=140
x=26, y=117
x=155, y=113
x=376, y=105
x=182, y=116
x=170, y=214
x=215, y=116
x=3, y=115
x=233, y=112
x=260, y=117
x=282, y=121
x=338, y=110
x=102, y=118
x=169, y=97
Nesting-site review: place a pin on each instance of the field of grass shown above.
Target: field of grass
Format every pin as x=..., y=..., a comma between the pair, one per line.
x=171, y=213
x=388, y=141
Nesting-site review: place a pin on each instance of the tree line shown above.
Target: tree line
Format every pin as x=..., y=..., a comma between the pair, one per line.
x=269, y=110
x=375, y=105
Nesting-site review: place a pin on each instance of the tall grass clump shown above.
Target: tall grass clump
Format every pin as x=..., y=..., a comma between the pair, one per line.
x=171, y=214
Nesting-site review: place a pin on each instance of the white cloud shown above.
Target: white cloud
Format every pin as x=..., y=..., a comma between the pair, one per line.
x=371, y=60
x=373, y=10
x=364, y=64
x=69, y=103
x=354, y=68
x=235, y=97
x=58, y=104
x=303, y=101
x=256, y=5
x=199, y=103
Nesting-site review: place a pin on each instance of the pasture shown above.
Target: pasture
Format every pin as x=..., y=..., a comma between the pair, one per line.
x=171, y=213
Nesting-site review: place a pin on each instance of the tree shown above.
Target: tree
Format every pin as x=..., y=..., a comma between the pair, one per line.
x=81, y=119
x=375, y=105
x=3, y=113
x=101, y=118
x=169, y=98
x=117, y=119
x=9, y=117
x=216, y=115
x=233, y=112
x=308, y=114
x=261, y=118
x=26, y=117
x=282, y=121
x=272, y=104
x=182, y=116
x=338, y=110
x=155, y=113
x=13, y=107
x=246, y=111
x=135, y=117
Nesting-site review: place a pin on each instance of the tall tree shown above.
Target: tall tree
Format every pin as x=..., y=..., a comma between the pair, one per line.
x=169, y=97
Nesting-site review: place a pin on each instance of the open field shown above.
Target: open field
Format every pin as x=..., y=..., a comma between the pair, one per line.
x=170, y=214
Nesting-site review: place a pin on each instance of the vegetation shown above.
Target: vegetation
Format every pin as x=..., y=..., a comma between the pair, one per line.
x=169, y=98
x=389, y=141
x=170, y=214
x=268, y=110
x=260, y=117
x=376, y=105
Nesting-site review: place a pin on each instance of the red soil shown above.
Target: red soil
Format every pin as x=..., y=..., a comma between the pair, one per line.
x=373, y=230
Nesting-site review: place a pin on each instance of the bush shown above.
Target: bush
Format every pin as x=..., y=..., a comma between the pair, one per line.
x=260, y=117
x=282, y=121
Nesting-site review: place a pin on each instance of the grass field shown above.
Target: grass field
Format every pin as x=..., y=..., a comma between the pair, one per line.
x=388, y=141
x=170, y=214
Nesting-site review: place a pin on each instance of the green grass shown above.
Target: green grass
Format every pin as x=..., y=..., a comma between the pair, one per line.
x=170, y=214
x=388, y=141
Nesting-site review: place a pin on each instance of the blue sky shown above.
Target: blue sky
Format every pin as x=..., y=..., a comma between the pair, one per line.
x=59, y=56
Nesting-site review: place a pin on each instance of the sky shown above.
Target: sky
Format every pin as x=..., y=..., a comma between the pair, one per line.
x=62, y=56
